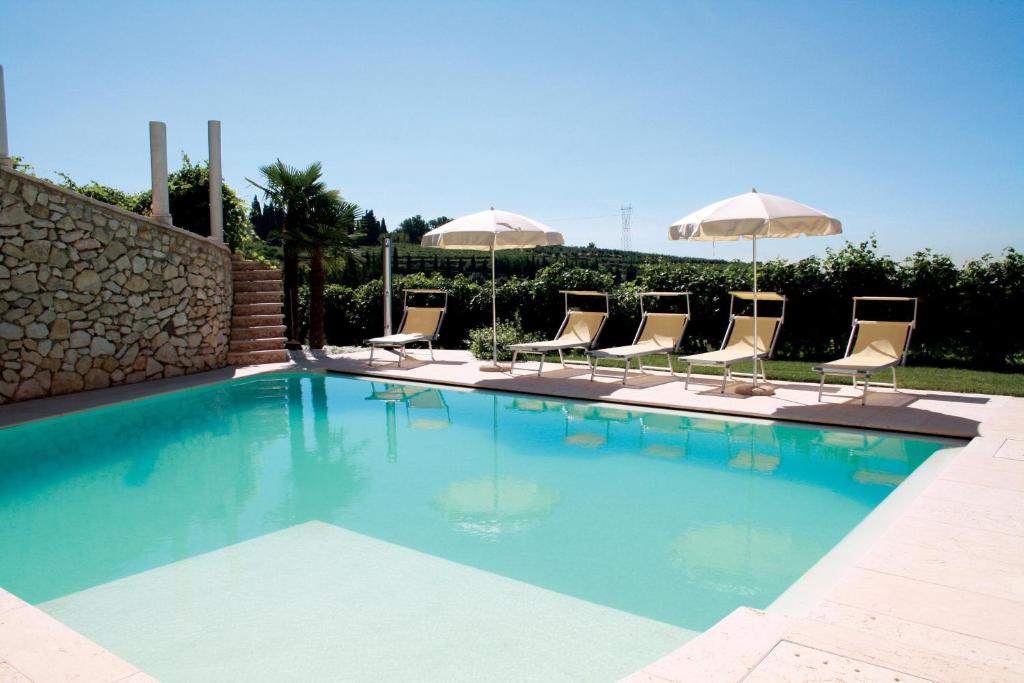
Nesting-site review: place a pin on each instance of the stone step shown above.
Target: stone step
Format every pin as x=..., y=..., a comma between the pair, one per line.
x=246, y=321
x=267, y=297
x=258, y=286
x=250, y=275
x=257, y=357
x=267, y=332
x=242, y=264
x=268, y=308
x=243, y=345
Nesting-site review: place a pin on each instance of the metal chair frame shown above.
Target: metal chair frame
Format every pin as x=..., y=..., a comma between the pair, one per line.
x=728, y=374
x=864, y=375
x=402, y=352
x=561, y=329
x=636, y=338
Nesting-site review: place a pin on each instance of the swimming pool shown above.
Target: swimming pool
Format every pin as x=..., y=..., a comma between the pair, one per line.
x=301, y=520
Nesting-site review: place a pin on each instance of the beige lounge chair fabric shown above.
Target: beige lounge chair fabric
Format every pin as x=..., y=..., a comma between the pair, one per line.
x=658, y=333
x=739, y=346
x=419, y=324
x=874, y=345
x=580, y=330
x=878, y=345
x=661, y=333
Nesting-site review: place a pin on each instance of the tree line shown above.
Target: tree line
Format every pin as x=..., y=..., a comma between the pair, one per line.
x=963, y=317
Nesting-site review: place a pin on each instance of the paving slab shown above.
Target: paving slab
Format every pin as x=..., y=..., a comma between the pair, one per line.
x=790, y=662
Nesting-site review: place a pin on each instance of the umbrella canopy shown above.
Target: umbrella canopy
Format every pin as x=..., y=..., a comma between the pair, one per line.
x=492, y=231
x=752, y=215
x=749, y=216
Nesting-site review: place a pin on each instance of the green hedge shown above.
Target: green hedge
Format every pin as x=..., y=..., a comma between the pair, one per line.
x=968, y=315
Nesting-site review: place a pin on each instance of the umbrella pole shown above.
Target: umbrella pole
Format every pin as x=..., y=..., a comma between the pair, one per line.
x=754, y=247
x=753, y=389
x=494, y=310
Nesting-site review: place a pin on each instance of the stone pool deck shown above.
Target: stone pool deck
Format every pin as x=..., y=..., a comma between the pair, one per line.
x=939, y=596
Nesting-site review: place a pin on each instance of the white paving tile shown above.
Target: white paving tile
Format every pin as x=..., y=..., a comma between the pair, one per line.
x=967, y=612
x=927, y=651
x=792, y=663
x=43, y=649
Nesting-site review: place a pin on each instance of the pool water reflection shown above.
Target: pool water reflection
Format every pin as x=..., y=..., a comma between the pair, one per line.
x=673, y=517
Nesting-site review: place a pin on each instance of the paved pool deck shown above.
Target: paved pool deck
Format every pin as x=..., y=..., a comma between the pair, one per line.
x=937, y=596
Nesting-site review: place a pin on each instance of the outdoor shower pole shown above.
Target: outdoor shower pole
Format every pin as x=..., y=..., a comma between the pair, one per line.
x=216, y=181
x=160, y=206
x=5, y=152
x=387, y=286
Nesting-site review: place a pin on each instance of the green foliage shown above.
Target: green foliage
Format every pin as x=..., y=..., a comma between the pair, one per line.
x=136, y=203
x=623, y=266
x=371, y=229
x=18, y=163
x=188, y=191
x=480, y=340
x=963, y=316
x=412, y=229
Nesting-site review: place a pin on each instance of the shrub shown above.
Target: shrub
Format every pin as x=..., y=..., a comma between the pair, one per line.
x=509, y=332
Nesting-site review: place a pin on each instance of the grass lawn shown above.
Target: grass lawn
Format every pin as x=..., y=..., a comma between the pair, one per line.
x=909, y=377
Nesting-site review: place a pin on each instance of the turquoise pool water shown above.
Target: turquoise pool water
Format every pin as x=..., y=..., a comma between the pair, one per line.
x=677, y=519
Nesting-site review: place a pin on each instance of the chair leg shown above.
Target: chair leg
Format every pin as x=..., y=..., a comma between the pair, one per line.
x=864, y=396
x=671, y=370
x=430, y=345
x=689, y=369
x=372, y=348
x=561, y=358
x=625, y=371
x=725, y=377
x=894, y=387
x=512, y=367
x=821, y=385
x=401, y=355
x=540, y=368
x=593, y=367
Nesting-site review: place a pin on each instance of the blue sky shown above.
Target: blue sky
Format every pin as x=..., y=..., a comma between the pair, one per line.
x=902, y=119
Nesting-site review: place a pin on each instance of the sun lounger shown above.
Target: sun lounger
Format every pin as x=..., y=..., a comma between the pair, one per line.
x=874, y=346
x=738, y=343
x=579, y=330
x=659, y=333
x=420, y=325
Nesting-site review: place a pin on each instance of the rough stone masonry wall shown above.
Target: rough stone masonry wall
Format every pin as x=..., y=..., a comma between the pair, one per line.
x=91, y=295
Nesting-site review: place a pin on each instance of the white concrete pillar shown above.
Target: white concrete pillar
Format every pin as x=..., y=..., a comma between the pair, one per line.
x=216, y=181
x=160, y=208
x=5, y=152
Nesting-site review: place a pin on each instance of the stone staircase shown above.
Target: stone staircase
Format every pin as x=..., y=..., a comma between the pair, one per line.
x=257, y=318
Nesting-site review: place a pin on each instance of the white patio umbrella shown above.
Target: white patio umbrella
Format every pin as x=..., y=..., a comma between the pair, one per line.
x=492, y=231
x=753, y=215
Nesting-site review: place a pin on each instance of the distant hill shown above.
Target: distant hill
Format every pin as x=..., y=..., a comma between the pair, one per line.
x=412, y=258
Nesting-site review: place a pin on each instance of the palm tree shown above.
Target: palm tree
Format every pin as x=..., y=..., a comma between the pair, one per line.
x=327, y=241
x=294, y=192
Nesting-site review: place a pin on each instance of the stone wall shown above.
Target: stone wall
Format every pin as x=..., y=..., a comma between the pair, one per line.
x=92, y=295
